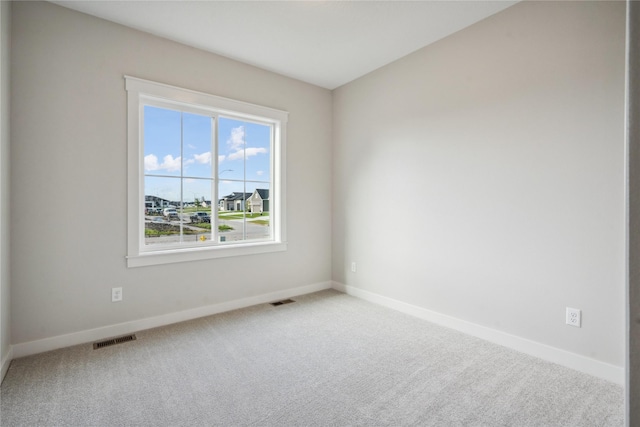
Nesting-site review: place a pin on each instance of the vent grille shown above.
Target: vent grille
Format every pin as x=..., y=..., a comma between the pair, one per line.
x=113, y=341
x=284, y=301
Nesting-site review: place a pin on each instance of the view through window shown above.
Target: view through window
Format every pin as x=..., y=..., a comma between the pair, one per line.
x=207, y=178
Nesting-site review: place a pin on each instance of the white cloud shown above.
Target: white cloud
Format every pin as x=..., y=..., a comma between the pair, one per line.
x=259, y=173
x=151, y=163
x=236, y=147
x=204, y=158
x=248, y=153
x=168, y=163
x=171, y=164
x=236, y=142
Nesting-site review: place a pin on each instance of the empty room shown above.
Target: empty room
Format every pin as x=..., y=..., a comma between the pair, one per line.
x=319, y=213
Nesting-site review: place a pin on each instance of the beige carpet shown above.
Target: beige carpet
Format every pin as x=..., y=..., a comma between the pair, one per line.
x=326, y=360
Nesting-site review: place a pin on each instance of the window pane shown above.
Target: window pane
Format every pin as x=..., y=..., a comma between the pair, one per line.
x=231, y=211
x=231, y=147
x=197, y=145
x=245, y=150
x=244, y=215
x=197, y=210
x=257, y=152
x=258, y=224
x=162, y=136
x=162, y=221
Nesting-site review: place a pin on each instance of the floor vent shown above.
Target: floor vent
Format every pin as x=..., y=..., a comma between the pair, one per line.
x=113, y=341
x=284, y=301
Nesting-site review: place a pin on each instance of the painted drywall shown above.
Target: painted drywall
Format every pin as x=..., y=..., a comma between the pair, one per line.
x=633, y=136
x=5, y=330
x=68, y=176
x=482, y=177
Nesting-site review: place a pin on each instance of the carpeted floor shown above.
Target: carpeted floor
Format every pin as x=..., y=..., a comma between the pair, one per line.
x=326, y=360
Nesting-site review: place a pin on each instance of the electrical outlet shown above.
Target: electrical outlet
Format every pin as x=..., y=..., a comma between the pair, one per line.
x=573, y=317
x=116, y=294
x=353, y=267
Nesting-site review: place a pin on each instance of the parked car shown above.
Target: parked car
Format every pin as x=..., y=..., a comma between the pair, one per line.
x=170, y=213
x=200, y=217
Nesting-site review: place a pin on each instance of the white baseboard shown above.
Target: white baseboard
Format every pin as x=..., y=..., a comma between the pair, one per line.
x=575, y=361
x=6, y=361
x=81, y=337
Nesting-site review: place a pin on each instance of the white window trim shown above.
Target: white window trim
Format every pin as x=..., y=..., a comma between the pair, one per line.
x=138, y=89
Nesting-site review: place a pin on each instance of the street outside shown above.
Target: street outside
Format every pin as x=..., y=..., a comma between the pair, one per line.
x=232, y=228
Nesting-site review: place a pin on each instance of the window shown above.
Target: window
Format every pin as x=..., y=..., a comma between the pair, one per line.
x=206, y=176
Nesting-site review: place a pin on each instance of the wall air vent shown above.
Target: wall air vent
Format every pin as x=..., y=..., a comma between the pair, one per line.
x=284, y=301
x=113, y=341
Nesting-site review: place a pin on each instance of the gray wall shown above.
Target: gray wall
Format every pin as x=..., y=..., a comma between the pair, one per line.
x=5, y=332
x=482, y=177
x=633, y=384
x=68, y=176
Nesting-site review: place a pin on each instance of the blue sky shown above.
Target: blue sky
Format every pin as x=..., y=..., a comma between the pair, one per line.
x=243, y=150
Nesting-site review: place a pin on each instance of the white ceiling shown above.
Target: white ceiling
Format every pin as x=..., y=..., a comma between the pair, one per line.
x=326, y=43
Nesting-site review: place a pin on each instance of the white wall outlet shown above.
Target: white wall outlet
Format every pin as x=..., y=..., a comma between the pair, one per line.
x=116, y=294
x=353, y=266
x=573, y=317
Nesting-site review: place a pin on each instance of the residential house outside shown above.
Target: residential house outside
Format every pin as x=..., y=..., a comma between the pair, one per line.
x=233, y=202
x=259, y=201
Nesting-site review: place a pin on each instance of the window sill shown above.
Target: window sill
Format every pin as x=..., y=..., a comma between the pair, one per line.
x=198, y=254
